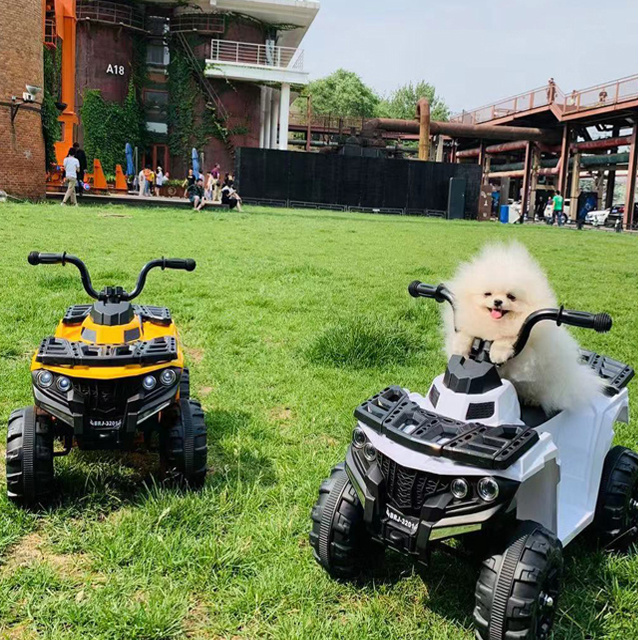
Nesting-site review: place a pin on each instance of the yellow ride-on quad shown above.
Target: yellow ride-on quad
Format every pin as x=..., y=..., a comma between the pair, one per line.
x=111, y=376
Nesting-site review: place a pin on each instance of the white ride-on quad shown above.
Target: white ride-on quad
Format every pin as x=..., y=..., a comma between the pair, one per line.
x=468, y=460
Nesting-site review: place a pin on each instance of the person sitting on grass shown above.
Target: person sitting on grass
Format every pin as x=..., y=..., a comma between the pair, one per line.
x=195, y=193
x=230, y=197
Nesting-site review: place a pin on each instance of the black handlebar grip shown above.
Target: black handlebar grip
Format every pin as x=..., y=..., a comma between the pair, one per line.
x=35, y=258
x=418, y=289
x=188, y=264
x=600, y=322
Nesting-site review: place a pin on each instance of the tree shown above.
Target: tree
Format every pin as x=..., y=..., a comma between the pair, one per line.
x=342, y=93
x=402, y=102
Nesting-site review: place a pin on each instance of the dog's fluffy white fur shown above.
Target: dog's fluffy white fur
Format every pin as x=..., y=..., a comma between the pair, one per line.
x=494, y=293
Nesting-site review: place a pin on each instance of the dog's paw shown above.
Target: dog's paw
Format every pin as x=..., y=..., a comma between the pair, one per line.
x=500, y=352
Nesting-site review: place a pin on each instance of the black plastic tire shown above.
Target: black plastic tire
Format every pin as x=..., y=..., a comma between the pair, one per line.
x=616, y=518
x=338, y=536
x=185, y=389
x=184, y=445
x=517, y=591
x=29, y=458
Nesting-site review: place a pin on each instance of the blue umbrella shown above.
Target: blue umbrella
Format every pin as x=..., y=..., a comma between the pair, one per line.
x=195, y=162
x=128, y=151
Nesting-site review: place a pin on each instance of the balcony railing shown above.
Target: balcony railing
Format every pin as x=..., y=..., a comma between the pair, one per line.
x=261, y=55
x=110, y=13
x=606, y=94
x=198, y=22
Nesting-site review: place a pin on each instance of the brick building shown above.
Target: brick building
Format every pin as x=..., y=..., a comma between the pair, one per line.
x=22, y=159
x=242, y=57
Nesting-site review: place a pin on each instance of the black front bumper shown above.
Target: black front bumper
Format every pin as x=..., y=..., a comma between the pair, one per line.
x=101, y=417
x=412, y=531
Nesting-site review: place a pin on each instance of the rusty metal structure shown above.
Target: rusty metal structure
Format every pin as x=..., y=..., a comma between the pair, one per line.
x=535, y=140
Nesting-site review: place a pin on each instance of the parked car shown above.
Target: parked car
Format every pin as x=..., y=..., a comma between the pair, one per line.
x=597, y=218
x=606, y=217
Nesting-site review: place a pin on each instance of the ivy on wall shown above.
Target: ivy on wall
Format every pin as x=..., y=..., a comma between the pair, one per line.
x=108, y=126
x=51, y=127
x=189, y=127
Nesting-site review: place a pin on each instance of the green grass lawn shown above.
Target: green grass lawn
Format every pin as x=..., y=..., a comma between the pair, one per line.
x=290, y=320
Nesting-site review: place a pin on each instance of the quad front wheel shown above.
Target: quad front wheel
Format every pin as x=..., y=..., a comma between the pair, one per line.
x=184, y=444
x=29, y=458
x=517, y=591
x=338, y=537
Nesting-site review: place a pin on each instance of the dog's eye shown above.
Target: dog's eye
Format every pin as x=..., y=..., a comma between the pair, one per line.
x=511, y=297
x=487, y=294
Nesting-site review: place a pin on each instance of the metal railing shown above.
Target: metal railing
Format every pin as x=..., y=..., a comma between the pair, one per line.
x=609, y=93
x=50, y=33
x=198, y=22
x=110, y=13
x=602, y=95
x=328, y=122
x=261, y=55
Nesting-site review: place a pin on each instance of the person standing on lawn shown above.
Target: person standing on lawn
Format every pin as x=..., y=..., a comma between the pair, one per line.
x=71, y=168
x=558, y=208
x=189, y=181
x=82, y=159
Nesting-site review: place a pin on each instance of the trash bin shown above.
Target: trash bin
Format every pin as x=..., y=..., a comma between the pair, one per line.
x=504, y=214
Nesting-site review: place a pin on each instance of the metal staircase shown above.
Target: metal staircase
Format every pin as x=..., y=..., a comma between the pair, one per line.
x=212, y=100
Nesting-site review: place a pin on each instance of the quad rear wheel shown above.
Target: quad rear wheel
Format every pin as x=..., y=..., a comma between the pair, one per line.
x=338, y=536
x=184, y=444
x=616, y=518
x=517, y=591
x=29, y=458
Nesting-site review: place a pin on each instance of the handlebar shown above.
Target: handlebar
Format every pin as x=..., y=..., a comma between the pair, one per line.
x=164, y=263
x=438, y=292
x=109, y=293
x=600, y=322
x=35, y=258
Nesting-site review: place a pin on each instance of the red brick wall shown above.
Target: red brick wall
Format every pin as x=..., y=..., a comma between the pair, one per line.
x=97, y=47
x=22, y=159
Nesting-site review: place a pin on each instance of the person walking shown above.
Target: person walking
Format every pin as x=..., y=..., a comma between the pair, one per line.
x=558, y=208
x=71, y=168
x=82, y=159
x=215, y=174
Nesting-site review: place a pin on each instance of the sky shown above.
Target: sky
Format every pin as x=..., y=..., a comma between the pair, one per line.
x=475, y=51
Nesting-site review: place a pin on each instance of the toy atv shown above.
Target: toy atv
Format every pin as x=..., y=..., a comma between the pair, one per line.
x=112, y=375
x=467, y=460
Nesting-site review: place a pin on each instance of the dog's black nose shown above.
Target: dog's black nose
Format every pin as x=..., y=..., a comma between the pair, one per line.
x=497, y=303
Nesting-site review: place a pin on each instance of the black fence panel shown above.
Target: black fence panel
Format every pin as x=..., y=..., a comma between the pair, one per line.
x=353, y=181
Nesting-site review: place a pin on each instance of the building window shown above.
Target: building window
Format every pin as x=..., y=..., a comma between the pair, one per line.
x=157, y=55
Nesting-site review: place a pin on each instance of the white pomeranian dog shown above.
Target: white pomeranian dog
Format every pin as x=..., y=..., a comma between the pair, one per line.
x=494, y=293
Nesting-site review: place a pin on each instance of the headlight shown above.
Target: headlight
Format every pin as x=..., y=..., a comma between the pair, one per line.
x=45, y=379
x=168, y=377
x=460, y=488
x=369, y=452
x=149, y=383
x=63, y=383
x=358, y=438
x=488, y=489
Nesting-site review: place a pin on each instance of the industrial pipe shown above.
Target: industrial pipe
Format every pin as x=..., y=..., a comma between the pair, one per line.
x=494, y=149
x=602, y=143
x=460, y=130
x=423, y=112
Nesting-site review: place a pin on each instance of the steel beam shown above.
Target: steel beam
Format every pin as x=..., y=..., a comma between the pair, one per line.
x=563, y=163
x=632, y=175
